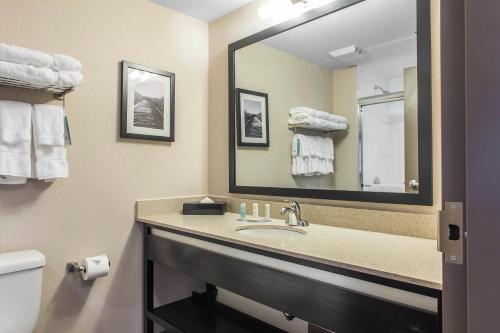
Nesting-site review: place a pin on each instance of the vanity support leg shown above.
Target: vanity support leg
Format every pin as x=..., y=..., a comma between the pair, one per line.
x=147, y=282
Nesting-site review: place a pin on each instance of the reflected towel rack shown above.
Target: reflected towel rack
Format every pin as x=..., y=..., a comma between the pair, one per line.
x=300, y=127
x=58, y=92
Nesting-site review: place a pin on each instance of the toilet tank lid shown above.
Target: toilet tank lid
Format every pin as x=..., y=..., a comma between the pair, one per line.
x=19, y=261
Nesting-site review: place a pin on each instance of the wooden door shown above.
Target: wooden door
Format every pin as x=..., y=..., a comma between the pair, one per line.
x=453, y=152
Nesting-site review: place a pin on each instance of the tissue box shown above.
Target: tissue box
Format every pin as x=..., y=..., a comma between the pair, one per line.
x=196, y=208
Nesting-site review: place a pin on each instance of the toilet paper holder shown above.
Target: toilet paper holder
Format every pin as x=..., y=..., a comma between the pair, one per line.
x=75, y=267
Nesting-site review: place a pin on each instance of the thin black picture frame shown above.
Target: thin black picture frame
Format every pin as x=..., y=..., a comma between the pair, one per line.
x=241, y=143
x=425, y=195
x=124, y=98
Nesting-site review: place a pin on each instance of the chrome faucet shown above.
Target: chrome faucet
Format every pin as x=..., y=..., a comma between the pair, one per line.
x=294, y=209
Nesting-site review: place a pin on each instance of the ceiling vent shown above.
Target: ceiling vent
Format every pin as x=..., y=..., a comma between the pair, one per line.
x=348, y=53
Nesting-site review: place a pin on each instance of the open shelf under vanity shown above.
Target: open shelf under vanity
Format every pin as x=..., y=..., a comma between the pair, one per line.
x=201, y=313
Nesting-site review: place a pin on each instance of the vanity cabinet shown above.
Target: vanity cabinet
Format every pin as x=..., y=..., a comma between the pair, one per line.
x=337, y=299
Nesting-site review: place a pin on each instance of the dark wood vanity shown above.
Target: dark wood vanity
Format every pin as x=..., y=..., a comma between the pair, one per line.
x=334, y=307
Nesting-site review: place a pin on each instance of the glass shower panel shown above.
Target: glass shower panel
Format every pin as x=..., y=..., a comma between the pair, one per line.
x=383, y=147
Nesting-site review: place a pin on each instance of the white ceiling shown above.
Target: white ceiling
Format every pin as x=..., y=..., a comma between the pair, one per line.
x=385, y=28
x=206, y=10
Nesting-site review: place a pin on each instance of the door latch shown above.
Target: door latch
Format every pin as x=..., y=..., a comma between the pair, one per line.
x=451, y=232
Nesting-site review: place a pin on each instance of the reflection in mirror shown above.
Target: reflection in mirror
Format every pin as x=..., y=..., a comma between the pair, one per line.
x=332, y=103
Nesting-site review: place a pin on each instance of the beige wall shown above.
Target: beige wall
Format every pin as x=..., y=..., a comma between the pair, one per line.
x=246, y=21
x=345, y=103
x=289, y=81
x=92, y=212
x=411, y=126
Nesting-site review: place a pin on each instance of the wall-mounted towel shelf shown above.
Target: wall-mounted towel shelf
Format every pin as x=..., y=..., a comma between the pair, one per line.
x=58, y=92
x=308, y=129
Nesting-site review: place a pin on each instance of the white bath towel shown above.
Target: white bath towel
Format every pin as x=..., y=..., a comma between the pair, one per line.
x=15, y=142
x=15, y=160
x=303, y=111
x=51, y=163
x=15, y=122
x=312, y=146
x=24, y=56
x=50, y=150
x=62, y=62
x=39, y=77
x=48, y=125
x=312, y=155
x=68, y=79
x=311, y=166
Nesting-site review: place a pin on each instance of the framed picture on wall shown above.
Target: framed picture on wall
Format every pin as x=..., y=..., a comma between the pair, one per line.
x=252, y=118
x=148, y=103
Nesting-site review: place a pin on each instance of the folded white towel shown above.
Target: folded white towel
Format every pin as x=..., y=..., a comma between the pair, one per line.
x=15, y=142
x=312, y=155
x=15, y=122
x=48, y=125
x=69, y=79
x=311, y=166
x=50, y=151
x=15, y=160
x=39, y=77
x=51, y=163
x=24, y=56
x=299, y=111
x=62, y=62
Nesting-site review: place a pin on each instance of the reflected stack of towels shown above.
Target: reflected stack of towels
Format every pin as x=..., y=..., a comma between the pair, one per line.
x=17, y=123
x=312, y=155
x=39, y=69
x=305, y=117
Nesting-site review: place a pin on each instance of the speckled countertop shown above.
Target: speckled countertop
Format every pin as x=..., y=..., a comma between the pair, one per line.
x=402, y=258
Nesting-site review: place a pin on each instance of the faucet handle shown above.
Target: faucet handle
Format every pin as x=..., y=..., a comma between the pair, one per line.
x=295, y=205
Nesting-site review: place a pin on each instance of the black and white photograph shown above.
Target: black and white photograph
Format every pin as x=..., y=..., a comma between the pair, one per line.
x=149, y=98
x=147, y=103
x=253, y=119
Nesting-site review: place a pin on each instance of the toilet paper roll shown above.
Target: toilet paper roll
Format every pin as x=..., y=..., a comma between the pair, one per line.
x=95, y=267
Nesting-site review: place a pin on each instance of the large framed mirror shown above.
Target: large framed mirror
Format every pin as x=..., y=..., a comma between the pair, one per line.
x=335, y=104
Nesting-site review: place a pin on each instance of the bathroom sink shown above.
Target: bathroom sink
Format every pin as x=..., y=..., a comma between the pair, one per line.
x=274, y=231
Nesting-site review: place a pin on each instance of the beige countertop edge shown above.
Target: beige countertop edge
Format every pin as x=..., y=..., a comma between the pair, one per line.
x=429, y=284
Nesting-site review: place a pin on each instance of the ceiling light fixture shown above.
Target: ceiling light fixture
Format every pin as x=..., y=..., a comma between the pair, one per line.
x=281, y=10
x=304, y=2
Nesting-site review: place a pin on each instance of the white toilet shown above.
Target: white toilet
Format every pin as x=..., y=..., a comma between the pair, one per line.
x=20, y=290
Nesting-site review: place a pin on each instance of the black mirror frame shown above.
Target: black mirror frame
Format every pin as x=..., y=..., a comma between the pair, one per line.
x=424, y=196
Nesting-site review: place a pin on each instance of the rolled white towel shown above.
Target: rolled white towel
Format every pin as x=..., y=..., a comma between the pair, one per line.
x=15, y=122
x=69, y=79
x=302, y=111
x=24, y=56
x=65, y=63
x=35, y=76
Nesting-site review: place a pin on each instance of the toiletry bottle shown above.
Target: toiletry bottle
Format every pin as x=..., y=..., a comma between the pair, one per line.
x=243, y=211
x=267, y=212
x=255, y=210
